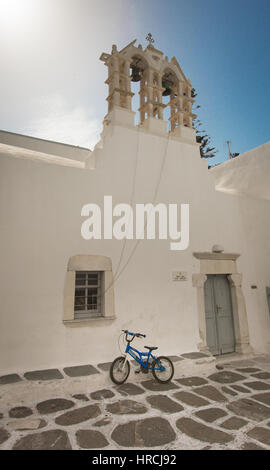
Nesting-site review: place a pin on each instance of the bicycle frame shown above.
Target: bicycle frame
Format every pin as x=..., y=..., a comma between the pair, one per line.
x=138, y=356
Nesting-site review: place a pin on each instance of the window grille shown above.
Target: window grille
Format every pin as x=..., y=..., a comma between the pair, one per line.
x=88, y=294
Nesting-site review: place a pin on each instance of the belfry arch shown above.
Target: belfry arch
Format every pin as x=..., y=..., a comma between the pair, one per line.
x=171, y=86
x=158, y=78
x=139, y=69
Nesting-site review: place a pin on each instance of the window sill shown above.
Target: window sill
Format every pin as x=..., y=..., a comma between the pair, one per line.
x=83, y=321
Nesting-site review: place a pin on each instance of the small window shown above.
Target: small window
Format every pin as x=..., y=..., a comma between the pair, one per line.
x=89, y=290
x=87, y=300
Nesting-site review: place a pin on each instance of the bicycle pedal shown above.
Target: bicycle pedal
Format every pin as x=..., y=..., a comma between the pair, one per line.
x=137, y=371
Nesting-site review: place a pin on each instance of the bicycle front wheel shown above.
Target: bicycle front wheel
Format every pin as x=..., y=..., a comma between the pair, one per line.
x=118, y=371
x=163, y=376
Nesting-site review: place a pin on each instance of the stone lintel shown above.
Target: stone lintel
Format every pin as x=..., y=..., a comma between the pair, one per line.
x=216, y=256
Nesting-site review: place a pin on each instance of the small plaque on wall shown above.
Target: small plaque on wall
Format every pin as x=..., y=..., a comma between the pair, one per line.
x=179, y=276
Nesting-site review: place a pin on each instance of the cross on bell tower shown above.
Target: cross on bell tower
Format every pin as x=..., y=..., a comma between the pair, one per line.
x=150, y=39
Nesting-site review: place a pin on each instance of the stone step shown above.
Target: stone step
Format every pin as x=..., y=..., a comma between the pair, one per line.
x=40, y=385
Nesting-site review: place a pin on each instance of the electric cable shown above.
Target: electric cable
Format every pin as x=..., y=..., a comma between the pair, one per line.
x=131, y=201
x=119, y=347
x=139, y=240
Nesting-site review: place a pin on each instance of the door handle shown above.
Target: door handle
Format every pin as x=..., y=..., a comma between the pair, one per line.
x=218, y=308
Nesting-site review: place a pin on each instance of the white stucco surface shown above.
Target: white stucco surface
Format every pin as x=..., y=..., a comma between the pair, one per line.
x=40, y=207
x=248, y=174
x=44, y=146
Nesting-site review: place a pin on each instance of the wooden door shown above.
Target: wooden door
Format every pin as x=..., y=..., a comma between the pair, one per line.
x=219, y=315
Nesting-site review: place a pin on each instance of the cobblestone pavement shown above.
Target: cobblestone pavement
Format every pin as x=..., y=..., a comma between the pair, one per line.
x=227, y=409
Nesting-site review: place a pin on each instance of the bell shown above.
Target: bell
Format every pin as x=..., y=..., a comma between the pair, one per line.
x=167, y=90
x=136, y=74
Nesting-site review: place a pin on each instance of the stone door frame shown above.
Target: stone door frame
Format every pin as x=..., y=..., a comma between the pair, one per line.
x=222, y=263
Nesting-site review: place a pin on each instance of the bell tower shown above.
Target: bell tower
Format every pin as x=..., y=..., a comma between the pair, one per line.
x=158, y=78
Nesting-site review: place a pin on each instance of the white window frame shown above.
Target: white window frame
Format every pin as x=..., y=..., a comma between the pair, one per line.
x=88, y=263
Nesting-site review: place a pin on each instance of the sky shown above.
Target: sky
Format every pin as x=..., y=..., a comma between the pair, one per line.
x=52, y=82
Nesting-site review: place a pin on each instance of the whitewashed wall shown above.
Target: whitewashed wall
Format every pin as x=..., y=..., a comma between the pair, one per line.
x=40, y=206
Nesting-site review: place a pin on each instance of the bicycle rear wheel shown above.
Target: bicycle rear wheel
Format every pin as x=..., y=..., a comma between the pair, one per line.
x=166, y=375
x=118, y=373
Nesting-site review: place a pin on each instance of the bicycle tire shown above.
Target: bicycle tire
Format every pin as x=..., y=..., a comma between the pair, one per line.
x=171, y=374
x=113, y=365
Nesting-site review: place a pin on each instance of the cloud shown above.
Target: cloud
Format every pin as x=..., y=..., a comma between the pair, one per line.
x=60, y=121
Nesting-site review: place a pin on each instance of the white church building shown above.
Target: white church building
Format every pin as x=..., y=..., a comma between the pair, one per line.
x=66, y=295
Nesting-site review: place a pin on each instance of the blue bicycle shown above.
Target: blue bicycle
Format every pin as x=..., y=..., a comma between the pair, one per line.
x=161, y=367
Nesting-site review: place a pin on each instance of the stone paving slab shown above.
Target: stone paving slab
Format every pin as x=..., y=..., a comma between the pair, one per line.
x=102, y=394
x=48, y=374
x=229, y=391
x=240, y=388
x=211, y=393
x=55, y=439
x=155, y=386
x=251, y=446
x=194, y=355
x=4, y=435
x=192, y=381
x=54, y=405
x=78, y=416
x=126, y=407
x=190, y=399
x=226, y=377
x=149, y=432
x=249, y=409
x=89, y=439
x=80, y=396
x=105, y=366
x=262, y=397
x=80, y=371
x=234, y=423
x=202, y=432
x=241, y=363
x=129, y=388
x=248, y=370
x=262, y=375
x=103, y=422
x=164, y=404
x=9, y=379
x=211, y=414
x=264, y=359
x=260, y=434
x=257, y=385
x=20, y=412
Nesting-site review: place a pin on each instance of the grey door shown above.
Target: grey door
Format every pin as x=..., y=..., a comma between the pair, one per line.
x=268, y=297
x=219, y=316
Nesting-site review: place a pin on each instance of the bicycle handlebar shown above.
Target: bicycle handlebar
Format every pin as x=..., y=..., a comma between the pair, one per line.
x=134, y=334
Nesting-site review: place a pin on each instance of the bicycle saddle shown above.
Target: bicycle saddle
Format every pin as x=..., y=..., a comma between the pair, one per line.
x=151, y=348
